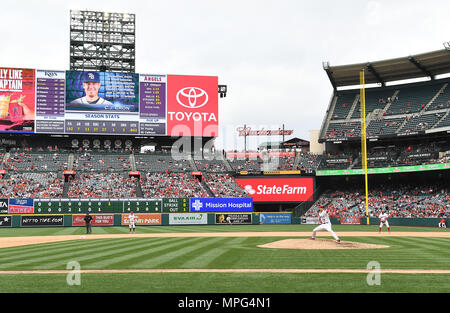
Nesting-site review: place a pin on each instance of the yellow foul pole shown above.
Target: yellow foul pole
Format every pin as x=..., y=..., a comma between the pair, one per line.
x=363, y=139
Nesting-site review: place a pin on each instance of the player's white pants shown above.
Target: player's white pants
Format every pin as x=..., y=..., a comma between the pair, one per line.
x=132, y=225
x=384, y=223
x=326, y=227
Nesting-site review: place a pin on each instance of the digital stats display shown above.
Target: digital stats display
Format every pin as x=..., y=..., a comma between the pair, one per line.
x=109, y=103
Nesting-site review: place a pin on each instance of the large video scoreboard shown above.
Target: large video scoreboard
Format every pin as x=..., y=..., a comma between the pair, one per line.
x=107, y=103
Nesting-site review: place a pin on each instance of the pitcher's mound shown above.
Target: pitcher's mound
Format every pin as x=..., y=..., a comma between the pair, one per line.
x=319, y=244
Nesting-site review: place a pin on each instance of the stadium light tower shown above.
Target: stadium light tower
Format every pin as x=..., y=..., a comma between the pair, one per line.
x=102, y=41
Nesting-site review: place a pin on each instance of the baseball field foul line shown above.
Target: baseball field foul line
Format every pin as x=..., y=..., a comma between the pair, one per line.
x=270, y=270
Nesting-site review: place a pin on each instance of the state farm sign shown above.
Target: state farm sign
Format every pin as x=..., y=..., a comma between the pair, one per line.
x=192, y=105
x=278, y=189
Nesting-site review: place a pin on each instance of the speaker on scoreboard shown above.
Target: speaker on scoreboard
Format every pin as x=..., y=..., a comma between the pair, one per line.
x=75, y=143
x=118, y=143
x=86, y=143
x=107, y=144
x=128, y=143
x=96, y=143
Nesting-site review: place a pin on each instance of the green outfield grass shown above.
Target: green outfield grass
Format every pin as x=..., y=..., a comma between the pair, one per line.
x=55, y=231
x=221, y=253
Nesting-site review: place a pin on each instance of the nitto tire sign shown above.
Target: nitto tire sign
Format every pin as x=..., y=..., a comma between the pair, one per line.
x=5, y=221
x=42, y=220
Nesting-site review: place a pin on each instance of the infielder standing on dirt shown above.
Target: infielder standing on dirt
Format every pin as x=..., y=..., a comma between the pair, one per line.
x=384, y=221
x=325, y=223
x=132, y=222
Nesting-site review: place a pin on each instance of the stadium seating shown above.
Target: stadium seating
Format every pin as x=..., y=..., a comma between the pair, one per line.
x=161, y=162
x=224, y=185
x=391, y=110
x=102, y=185
x=171, y=184
x=31, y=185
x=401, y=200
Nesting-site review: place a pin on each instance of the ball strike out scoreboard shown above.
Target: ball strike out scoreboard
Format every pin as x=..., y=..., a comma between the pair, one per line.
x=61, y=102
x=83, y=206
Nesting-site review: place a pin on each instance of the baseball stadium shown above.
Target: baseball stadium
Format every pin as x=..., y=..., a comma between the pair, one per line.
x=170, y=213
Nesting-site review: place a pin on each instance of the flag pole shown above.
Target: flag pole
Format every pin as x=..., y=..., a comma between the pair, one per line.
x=363, y=139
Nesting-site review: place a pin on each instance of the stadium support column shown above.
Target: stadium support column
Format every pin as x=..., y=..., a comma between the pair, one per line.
x=363, y=140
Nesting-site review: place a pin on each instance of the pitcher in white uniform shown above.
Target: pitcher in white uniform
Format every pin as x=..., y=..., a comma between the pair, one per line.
x=132, y=222
x=325, y=224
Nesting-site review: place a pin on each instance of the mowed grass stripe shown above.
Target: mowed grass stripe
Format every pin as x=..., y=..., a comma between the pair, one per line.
x=44, y=250
x=102, y=261
x=176, y=259
x=198, y=257
x=28, y=249
x=210, y=254
x=94, y=258
x=155, y=259
x=140, y=252
x=45, y=256
x=226, y=283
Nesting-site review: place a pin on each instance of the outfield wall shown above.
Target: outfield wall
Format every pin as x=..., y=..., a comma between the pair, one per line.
x=144, y=219
x=174, y=219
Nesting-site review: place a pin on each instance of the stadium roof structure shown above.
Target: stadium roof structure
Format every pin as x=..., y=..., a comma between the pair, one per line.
x=422, y=65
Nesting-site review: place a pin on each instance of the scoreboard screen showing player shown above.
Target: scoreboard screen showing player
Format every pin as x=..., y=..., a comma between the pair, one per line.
x=107, y=103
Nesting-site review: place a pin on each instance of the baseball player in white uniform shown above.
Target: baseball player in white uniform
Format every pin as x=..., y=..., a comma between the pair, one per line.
x=384, y=221
x=132, y=222
x=325, y=224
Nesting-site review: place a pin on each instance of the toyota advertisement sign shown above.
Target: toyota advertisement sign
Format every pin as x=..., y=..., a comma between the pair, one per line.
x=278, y=189
x=192, y=105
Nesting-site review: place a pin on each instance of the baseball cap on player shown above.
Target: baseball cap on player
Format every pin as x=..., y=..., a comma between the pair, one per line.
x=91, y=77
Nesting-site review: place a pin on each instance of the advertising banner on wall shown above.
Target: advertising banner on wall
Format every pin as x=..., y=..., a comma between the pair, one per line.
x=275, y=218
x=353, y=220
x=192, y=105
x=21, y=206
x=188, y=219
x=233, y=218
x=5, y=221
x=310, y=220
x=3, y=206
x=17, y=100
x=278, y=189
x=97, y=220
x=143, y=219
x=221, y=205
x=42, y=220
